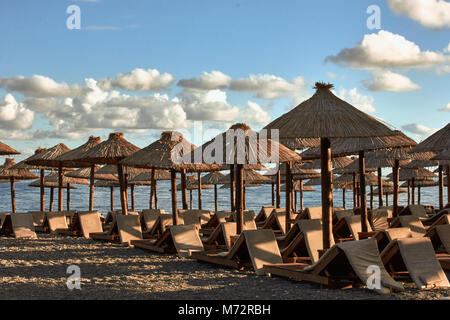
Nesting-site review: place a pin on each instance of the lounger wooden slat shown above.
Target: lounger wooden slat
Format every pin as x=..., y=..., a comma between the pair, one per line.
x=18, y=225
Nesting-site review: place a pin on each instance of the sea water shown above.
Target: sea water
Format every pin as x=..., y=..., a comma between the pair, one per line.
x=27, y=198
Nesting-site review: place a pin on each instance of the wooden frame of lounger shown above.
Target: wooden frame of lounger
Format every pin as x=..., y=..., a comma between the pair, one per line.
x=18, y=225
x=241, y=257
x=348, y=230
x=414, y=210
x=276, y=222
x=440, y=238
x=442, y=217
x=125, y=234
x=159, y=227
x=55, y=222
x=217, y=240
x=393, y=259
x=384, y=237
x=263, y=214
x=83, y=224
x=2, y=218
x=310, y=213
x=217, y=218
x=409, y=221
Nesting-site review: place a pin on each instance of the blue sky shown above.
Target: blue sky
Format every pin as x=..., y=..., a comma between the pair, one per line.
x=286, y=39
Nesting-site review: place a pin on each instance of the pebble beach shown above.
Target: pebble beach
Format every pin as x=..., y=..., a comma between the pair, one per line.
x=37, y=269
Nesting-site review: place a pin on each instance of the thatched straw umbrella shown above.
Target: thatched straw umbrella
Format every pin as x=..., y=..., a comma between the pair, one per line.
x=213, y=178
x=437, y=142
x=240, y=146
x=146, y=178
x=298, y=186
x=325, y=116
x=48, y=159
x=112, y=151
x=108, y=184
x=6, y=150
x=6, y=172
x=70, y=158
x=387, y=190
x=85, y=173
x=420, y=184
x=165, y=154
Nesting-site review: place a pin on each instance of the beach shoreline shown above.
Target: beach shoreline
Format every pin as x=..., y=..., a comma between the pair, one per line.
x=37, y=269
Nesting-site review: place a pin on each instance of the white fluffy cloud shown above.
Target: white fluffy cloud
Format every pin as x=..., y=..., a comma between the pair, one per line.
x=253, y=113
x=39, y=86
x=387, y=50
x=432, y=14
x=418, y=129
x=385, y=80
x=138, y=80
x=14, y=115
x=207, y=81
x=358, y=100
x=446, y=108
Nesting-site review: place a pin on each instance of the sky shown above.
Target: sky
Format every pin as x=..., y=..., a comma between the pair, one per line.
x=141, y=67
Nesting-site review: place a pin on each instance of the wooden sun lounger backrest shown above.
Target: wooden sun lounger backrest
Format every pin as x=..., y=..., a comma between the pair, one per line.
x=186, y=240
x=420, y=259
x=56, y=220
x=90, y=222
x=416, y=210
x=129, y=227
x=379, y=219
x=19, y=225
x=228, y=231
x=313, y=236
x=443, y=231
x=150, y=217
x=340, y=214
x=261, y=246
x=3, y=217
x=413, y=222
x=314, y=212
x=191, y=219
x=354, y=225
x=38, y=217
x=264, y=213
x=443, y=219
x=166, y=221
x=398, y=233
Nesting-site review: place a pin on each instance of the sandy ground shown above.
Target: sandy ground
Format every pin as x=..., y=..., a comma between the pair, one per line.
x=36, y=269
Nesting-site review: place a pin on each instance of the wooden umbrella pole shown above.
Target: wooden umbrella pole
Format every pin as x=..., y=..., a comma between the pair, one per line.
x=395, y=174
x=380, y=188
x=199, y=178
x=68, y=197
x=112, y=198
x=413, y=192
x=358, y=199
x=50, y=207
x=184, y=199
x=173, y=187
x=239, y=198
x=232, y=204
x=216, y=201
x=13, y=195
x=190, y=199
x=409, y=193
x=288, y=194
x=362, y=183
x=125, y=185
x=244, y=197
x=418, y=195
x=42, y=187
x=371, y=197
x=91, y=188
x=132, y=197
x=278, y=189
x=327, y=191
x=448, y=184
x=354, y=190
x=122, y=189
x=295, y=200
x=441, y=188
x=152, y=188
x=387, y=199
x=343, y=197
x=273, y=194
x=155, y=190
x=301, y=195
x=60, y=188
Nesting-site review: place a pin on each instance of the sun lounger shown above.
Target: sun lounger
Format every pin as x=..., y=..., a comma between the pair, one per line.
x=440, y=238
x=263, y=214
x=416, y=210
x=384, y=237
x=253, y=248
x=379, y=219
x=159, y=226
x=343, y=265
x=415, y=257
x=221, y=237
x=83, y=224
x=411, y=222
x=149, y=218
x=217, y=218
x=276, y=221
x=349, y=228
x=182, y=239
x=340, y=214
x=18, y=225
x=310, y=213
x=38, y=218
x=54, y=222
x=3, y=217
x=305, y=246
x=442, y=217
x=124, y=229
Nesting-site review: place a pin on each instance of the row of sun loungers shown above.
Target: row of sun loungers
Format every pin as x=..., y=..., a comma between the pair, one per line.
x=412, y=244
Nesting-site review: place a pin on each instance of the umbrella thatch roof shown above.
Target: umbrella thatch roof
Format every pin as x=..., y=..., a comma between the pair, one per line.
x=147, y=176
x=349, y=146
x=388, y=190
x=6, y=171
x=69, y=158
x=318, y=181
x=51, y=180
x=241, y=145
x=417, y=174
x=112, y=169
x=300, y=143
x=166, y=154
x=85, y=173
x=110, y=151
x=23, y=165
x=213, y=178
x=47, y=157
x=421, y=183
x=371, y=179
x=6, y=150
x=192, y=184
x=247, y=185
x=106, y=184
x=37, y=184
x=250, y=177
x=438, y=141
x=296, y=186
x=300, y=171
x=443, y=157
x=354, y=167
x=325, y=115
x=337, y=163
